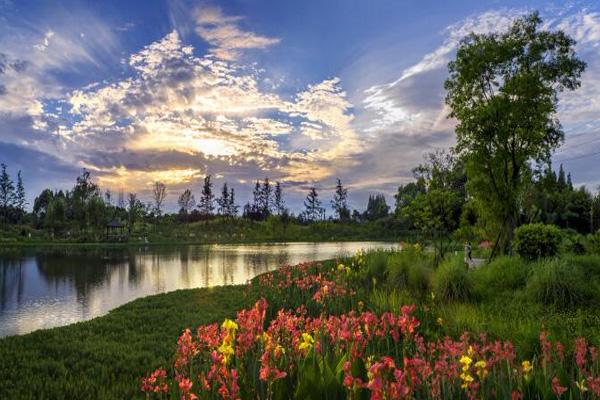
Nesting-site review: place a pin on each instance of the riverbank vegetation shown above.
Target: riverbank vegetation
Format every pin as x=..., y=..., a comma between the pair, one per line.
x=511, y=299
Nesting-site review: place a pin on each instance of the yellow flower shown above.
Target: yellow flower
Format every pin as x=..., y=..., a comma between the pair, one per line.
x=440, y=321
x=581, y=385
x=527, y=367
x=229, y=325
x=470, y=351
x=466, y=378
x=227, y=351
x=466, y=360
x=307, y=342
x=481, y=369
x=361, y=305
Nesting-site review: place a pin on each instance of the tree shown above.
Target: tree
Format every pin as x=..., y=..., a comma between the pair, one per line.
x=503, y=91
x=340, y=202
x=377, y=208
x=186, y=202
x=159, y=193
x=134, y=209
x=223, y=201
x=20, y=200
x=7, y=192
x=434, y=213
x=83, y=191
x=312, y=204
x=266, y=200
x=207, y=198
x=56, y=214
x=232, y=207
x=279, y=203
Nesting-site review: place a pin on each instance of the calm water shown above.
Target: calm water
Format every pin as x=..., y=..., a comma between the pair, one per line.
x=43, y=288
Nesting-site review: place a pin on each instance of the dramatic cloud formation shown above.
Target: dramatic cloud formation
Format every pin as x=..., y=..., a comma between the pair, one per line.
x=208, y=115
x=173, y=110
x=225, y=35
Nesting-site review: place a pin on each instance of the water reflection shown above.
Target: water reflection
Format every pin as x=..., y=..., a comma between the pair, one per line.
x=42, y=288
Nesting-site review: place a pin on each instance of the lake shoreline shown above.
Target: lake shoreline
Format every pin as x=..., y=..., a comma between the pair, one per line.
x=10, y=244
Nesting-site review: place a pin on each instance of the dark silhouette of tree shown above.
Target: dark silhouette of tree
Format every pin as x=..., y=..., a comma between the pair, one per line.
x=186, y=202
x=134, y=210
x=20, y=199
x=232, y=207
x=279, y=203
x=266, y=198
x=377, y=208
x=340, y=202
x=223, y=201
x=159, y=193
x=313, y=210
x=207, y=198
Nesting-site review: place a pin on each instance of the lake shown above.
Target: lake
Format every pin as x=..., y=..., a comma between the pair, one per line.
x=48, y=287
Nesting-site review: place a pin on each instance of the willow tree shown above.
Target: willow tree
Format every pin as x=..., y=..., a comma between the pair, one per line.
x=503, y=91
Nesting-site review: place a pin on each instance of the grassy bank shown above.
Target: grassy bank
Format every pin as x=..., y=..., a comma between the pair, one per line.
x=104, y=358
x=510, y=299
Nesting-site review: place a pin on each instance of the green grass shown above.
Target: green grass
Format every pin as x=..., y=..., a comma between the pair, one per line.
x=104, y=358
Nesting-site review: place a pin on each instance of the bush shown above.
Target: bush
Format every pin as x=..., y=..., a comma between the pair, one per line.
x=376, y=265
x=560, y=283
x=502, y=274
x=593, y=243
x=573, y=242
x=410, y=270
x=533, y=241
x=451, y=281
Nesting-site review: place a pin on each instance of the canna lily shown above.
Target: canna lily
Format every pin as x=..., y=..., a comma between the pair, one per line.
x=307, y=342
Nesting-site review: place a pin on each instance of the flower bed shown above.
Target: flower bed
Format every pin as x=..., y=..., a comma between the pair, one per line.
x=311, y=337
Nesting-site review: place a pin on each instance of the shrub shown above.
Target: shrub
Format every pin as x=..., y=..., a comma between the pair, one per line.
x=573, y=242
x=409, y=269
x=560, y=283
x=502, y=274
x=376, y=265
x=451, y=281
x=593, y=243
x=533, y=241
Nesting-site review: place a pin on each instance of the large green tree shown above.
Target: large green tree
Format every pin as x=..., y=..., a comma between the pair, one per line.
x=503, y=90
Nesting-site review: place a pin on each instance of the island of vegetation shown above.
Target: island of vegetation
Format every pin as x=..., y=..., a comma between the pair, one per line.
x=422, y=322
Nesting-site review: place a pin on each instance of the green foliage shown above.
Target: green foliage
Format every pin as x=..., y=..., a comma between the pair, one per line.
x=410, y=270
x=375, y=266
x=594, y=242
x=573, y=242
x=503, y=90
x=533, y=241
x=451, y=281
x=560, y=283
x=501, y=275
x=105, y=357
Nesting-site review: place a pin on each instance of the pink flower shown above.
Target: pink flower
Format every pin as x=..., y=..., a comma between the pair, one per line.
x=557, y=388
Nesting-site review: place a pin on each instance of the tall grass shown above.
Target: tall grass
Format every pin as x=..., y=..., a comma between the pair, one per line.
x=410, y=270
x=502, y=274
x=560, y=283
x=451, y=281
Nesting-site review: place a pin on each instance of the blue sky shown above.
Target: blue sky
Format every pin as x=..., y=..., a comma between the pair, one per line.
x=302, y=92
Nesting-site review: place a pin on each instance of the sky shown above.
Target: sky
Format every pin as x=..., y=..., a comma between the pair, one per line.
x=301, y=92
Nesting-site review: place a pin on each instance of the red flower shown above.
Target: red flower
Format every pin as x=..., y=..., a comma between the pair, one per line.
x=557, y=388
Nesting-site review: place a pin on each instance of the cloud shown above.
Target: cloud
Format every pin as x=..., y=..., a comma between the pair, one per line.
x=412, y=105
x=179, y=116
x=224, y=34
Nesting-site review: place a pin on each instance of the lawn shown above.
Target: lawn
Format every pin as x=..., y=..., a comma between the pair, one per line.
x=105, y=357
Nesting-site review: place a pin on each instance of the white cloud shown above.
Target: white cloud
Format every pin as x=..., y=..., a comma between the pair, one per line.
x=224, y=34
x=204, y=114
